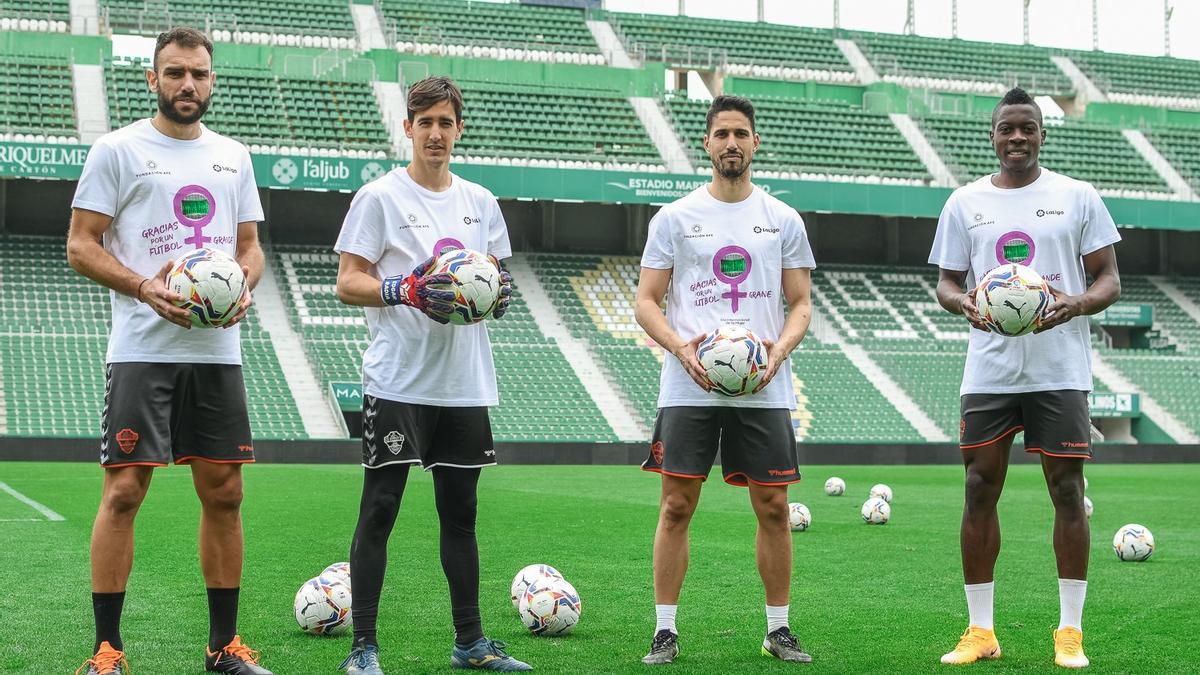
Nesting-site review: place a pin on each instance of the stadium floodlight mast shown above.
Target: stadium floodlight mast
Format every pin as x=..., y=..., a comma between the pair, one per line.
x=1025, y=20
x=1168, y=10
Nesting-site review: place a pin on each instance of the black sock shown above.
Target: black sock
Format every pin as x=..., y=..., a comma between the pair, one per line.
x=222, y=617
x=107, y=608
x=382, y=490
x=455, y=495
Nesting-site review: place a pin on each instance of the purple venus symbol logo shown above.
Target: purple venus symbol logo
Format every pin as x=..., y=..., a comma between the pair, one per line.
x=446, y=244
x=732, y=265
x=195, y=208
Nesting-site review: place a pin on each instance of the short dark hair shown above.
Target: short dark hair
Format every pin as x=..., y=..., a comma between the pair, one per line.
x=722, y=103
x=184, y=36
x=1016, y=96
x=430, y=91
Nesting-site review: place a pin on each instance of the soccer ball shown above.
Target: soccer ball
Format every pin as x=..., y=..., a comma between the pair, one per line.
x=875, y=511
x=1087, y=507
x=211, y=283
x=799, y=517
x=1012, y=299
x=476, y=284
x=1133, y=543
x=339, y=571
x=733, y=359
x=550, y=606
x=528, y=575
x=835, y=487
x=882, y=491
x=323, y=606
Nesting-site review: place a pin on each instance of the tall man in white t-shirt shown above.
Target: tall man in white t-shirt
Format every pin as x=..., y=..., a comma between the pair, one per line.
x=727, y=253
x=426, y=385
x=149, y=193
x=1038, y=383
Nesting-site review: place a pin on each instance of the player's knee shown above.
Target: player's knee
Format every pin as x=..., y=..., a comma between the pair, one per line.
x=380, y=511
x=677, y=510
x=982, y=493
x=223, y=497
x=123, y=498
x=1067, y=492
x=772, y=510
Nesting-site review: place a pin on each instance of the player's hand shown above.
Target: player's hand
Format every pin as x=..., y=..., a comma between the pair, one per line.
x=506, y=281
x=432, y=294
x=970, y=311
x=686, y=353
x=244, y=304
x=1063, y=309
x=163, y=300
x=775, y=359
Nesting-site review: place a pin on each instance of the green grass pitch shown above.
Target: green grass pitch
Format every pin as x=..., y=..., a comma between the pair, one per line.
x=865, y=599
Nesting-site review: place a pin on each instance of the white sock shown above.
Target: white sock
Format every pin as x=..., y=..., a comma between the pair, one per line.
x=979, y=603
x=1071, y=593
x=666, y=618
x=777, y=617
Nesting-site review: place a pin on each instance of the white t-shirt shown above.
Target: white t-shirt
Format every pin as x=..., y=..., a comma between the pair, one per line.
x=167, y=197
x=727, y=261
x=396, y=225
x=1047, y=225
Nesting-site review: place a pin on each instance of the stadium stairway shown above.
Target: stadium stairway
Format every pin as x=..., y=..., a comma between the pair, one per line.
x=894, y=393
x=1106, y=373
x=393, y=107
x=863, y=70
x=942, y=176
x=92, y=119
x=1085, y=89
x=612, y=406
x=1177, y=296
x=1170, y=176
x=662, y=133
x=367, y=26
x=85, y=17
x=610, y=45
x=318, y=417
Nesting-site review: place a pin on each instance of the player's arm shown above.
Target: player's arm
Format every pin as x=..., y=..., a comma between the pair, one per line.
x=953, y=299
x=797, y=291
x=1101, y=266
x=356, y=284
x=249, y=255
x=86, y=254
x=652, y=286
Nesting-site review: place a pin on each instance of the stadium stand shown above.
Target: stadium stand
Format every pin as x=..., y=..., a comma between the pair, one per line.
x=54, y=363
x=46, y=16
x=742, y=47
x=37, y=99
x=490, y=30
x=541, y=399
x=1170, y=319
x=1144, y=80
x=257, y=108
x=1092, y=152
x=517, y=124
x=249, y=18
x=1169, y=379
x=962, y=65
x=814, y=139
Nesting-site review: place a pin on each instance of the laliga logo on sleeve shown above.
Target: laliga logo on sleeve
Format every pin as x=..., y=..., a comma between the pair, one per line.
x=731, y=265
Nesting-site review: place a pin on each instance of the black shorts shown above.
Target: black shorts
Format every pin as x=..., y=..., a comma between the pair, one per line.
x=158, y=412
x=1056, y=423
x=758, y=445
x=410, y=433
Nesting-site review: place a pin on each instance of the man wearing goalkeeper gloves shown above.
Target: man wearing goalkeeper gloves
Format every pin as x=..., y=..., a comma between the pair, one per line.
x=726, y=253
x=426, y=385
x=1039, y=383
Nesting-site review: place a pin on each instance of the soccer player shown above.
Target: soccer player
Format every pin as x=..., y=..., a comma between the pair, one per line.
x=727, y=253
x=1039, y=383
x=426, y=385
x=149, y=193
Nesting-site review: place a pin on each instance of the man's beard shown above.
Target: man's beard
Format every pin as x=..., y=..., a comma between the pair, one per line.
x=730, y=174
x=167, y=107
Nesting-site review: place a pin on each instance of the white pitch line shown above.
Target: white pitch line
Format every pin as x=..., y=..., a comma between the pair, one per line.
x=21, y=520
x=37, y=506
